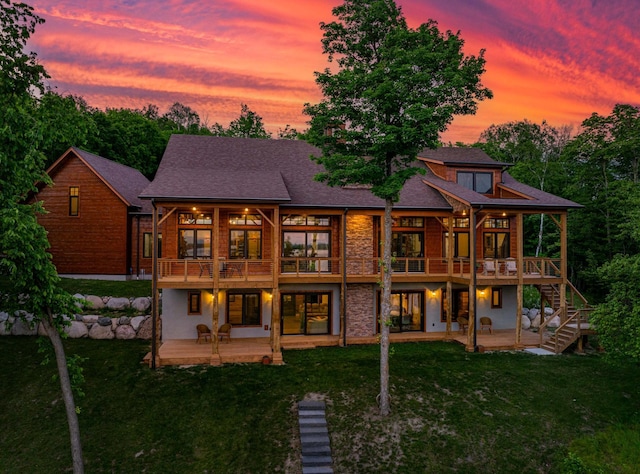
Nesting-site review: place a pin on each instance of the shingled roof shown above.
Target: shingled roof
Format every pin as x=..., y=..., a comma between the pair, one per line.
x=224, y=169
x=126, y=182
x=206, y=168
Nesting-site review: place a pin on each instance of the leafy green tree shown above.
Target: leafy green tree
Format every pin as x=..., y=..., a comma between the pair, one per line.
x=181, y=118
x=23, y=242
x=535, y=150
x=393, y=91
x=247, y=125
x=288, y=133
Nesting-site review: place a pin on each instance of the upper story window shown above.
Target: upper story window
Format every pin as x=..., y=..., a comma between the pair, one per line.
x=307, y=220
x=478, y=181
x=194, y=243
x=502, y=223
x=458, y=222
x=74, y=200
x=245, y=219
x=408, y=222
x=195, y=218
x=147, y=245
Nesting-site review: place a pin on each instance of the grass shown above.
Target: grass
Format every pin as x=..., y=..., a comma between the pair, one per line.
x=452, y=411
x=131, y=288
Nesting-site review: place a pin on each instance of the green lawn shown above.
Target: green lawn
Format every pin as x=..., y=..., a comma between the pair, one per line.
x=452, y=411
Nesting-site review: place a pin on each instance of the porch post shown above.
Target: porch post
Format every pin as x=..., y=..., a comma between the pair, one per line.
x=342, y=336
x=215, y=303
x=155, y=339
x=450, y=253
x=520, y=287
x=471, y=332
x=275, y=298
x=563, y=266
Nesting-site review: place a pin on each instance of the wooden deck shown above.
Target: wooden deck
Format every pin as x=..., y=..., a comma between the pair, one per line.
x=253, y=350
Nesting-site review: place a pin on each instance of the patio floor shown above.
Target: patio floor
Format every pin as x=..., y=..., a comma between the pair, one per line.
x=253, y=350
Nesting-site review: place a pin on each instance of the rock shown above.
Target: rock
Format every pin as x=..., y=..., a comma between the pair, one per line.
x=101, y=332
x=136, y=321
x=144, y=331
x=526, y=323
x=548, y=311
x=533, y=313
x=104, y=321
x=118, y=304
x=124, y=320
x=77, y=330
x=94, y=302
x=554, y=322
x=3, y=316
x=125, y=331
x=141, y=304
x=5, y=325
x=90, y=318
x=24, y=328
x=535, y=322
x=80, y=302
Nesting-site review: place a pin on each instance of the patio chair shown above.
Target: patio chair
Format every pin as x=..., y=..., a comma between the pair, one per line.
x=463, y=323
x=489, y=266
x=510, y=267
x=485, y=322
x=204, y=333
x=225, y=331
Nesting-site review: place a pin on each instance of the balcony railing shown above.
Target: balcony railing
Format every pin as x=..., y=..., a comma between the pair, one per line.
x=246, y=270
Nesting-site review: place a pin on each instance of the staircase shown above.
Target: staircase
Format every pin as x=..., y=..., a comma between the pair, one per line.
x=573, y=327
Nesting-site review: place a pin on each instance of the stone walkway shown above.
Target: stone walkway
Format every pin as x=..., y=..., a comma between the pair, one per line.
x=314, y=438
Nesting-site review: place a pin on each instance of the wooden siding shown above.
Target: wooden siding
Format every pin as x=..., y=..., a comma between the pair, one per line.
x=95, y=241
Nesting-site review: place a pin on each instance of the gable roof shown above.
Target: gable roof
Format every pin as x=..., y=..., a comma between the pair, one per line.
x=460, y=156
x=124, y=181
x=260, y=170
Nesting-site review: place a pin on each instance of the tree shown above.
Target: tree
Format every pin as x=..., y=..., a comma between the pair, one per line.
x=182, y=119
x=394, y=91
x=535, y=150
x=287, y=133
x=23, y=242
x=247, y=125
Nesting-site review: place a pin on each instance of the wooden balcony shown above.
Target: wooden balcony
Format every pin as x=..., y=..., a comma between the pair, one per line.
x=200, y=273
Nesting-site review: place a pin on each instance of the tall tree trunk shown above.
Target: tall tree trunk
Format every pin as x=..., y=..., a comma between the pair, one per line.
x=540, y=235
x=67, y=393
x=385, y=311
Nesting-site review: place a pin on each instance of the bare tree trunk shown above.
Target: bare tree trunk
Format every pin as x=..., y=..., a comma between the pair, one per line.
x=540, y=235
x=385, y=311
x=67, y=393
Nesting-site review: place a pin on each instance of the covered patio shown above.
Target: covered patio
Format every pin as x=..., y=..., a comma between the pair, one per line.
x=253, y=350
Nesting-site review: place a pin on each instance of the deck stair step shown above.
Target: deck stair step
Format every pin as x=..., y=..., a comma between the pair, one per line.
x=314, y=438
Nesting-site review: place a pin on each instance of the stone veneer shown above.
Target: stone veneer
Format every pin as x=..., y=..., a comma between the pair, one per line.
x=360, y=244
x=360, y=317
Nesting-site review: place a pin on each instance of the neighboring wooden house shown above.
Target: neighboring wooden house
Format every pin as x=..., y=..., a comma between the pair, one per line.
x=251, y=239
x=97, y=226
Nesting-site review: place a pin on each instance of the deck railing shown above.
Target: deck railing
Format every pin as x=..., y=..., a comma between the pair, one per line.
x=240, y=269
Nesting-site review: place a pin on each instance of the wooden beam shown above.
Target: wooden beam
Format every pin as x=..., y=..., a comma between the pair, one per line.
x=164, y=218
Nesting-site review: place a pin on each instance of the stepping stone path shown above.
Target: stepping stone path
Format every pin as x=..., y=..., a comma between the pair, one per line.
x=314, y=437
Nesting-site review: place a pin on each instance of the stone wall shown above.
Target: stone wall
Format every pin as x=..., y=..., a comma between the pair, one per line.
x=93, y=326
x=360, y=317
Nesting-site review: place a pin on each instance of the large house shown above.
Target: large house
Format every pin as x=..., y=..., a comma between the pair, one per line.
x=250, y=239
x=96, y=224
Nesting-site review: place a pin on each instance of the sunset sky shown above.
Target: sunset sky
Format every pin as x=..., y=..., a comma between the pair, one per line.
x=554, y=60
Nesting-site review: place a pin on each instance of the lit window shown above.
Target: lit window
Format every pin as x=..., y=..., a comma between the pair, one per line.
x=74, y=200
x=195, y=302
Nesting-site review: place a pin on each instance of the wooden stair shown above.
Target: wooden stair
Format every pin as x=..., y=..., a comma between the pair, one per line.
x=573, y=327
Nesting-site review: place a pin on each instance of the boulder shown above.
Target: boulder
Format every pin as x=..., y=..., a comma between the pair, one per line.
x=548, y=311
x=136, y=321
x=118, y=304
x=94, y=302
x=124, y=320
x=77, y=330
x=5, y=325
x=101, y=332
x=104, y=321
x=535, y=322
x=23, y=328
x=90, y=318
x=3, y=316
x=141, y=304
x=144, y=331
x=534, y=313
x=125, y=331
x=554, y=322
x=526, y=323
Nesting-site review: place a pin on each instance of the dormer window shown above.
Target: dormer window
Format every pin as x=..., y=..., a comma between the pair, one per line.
x=480, y=182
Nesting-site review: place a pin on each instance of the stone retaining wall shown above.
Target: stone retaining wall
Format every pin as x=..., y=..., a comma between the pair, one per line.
x=93, y=326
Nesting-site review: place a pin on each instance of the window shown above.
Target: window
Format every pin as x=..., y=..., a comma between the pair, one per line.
x=460, y=245
x=406, y=310
x=147, y=245
x=243, y=309
x=307, y=220
x=480, y=182
x=74, y=200
x=496, y=245
x=305, y=313
x=492, y=223
x=245, y=219
x=195, y=300
x=459, y=303
x=194, y=243
x=496, y=297
x=307, y=244
x=407, y=245
x=245, y=244
x=408, y=222
x=186, y=218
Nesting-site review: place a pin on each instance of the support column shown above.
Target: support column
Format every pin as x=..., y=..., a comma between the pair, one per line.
x=215, y=314
x=520, y=288
x=276, y=345
x=155, y=312
x=471, y=332
x=563, y=266
x=450, y=254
